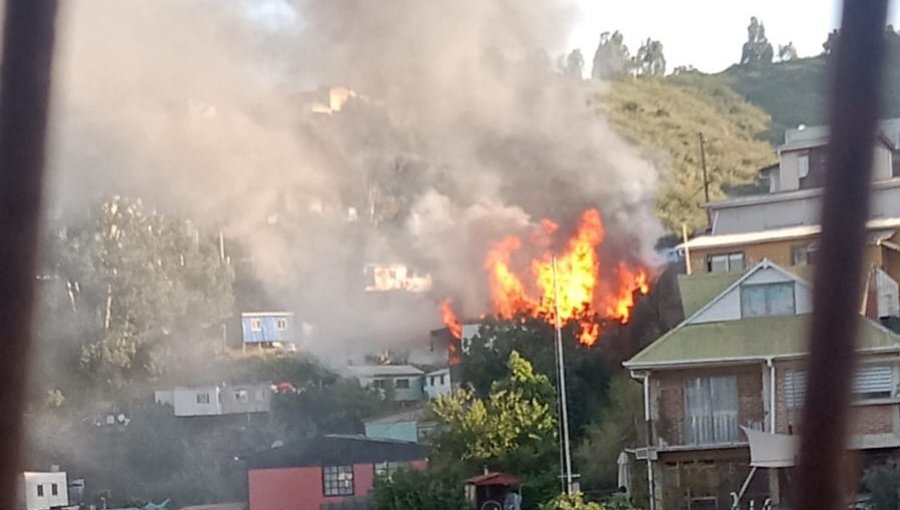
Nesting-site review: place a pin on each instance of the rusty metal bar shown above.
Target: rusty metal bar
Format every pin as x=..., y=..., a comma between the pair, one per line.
x=853, y=115
x=28, y=35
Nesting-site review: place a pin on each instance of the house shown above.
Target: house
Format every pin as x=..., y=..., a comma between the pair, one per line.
x=269, y=330
x=329, y=470
x=217, y=400
x=400, y=383
x=409, y=425
x=795, y=187
x=43, y=490
x=438, y=383
x=737, y=360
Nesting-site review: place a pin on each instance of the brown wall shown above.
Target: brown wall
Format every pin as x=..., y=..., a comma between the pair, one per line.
x=780, y=253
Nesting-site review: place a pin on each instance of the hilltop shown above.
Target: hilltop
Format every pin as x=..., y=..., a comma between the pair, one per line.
x=664, y=118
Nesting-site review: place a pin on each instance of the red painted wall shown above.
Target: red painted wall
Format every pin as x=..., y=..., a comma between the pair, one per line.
x=301, y=488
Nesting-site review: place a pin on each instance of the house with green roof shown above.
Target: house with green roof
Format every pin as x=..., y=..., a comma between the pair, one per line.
x=737, y=360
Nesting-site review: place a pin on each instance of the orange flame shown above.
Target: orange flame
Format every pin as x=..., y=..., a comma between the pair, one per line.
x=448, y=316
x=576, y=278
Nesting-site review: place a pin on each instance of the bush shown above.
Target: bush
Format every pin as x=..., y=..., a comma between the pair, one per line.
x=418, y=490
x=570, y=502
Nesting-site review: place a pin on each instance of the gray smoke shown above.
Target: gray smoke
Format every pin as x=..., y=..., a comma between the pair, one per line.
x=460, y=133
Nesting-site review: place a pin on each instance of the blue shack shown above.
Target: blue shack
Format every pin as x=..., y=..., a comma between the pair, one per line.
x=269, y=329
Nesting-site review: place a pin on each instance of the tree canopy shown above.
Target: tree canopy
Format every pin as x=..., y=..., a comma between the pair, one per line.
x=757, y=49
x=611, y=59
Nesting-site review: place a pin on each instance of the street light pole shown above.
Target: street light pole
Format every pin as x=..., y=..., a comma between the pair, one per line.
x=561, y=373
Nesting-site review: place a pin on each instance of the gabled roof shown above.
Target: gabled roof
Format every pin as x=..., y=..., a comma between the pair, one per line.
x=336, y=450
x=495, y=478
x=384, y=370
x=748, y=339
x=416, y=414
x=880, y=225
x=698, y=289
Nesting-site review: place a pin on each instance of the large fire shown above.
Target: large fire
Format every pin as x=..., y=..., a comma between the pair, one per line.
x=585, y=293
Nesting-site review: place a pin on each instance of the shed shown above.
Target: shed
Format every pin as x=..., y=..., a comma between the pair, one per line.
x=492, y=491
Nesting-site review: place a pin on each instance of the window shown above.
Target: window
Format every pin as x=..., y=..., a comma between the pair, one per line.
x=725, y=262
x=337, y=480
x=255, y=325
x=768, y=299
x=242, y=396
x=203, y=398
x=711, y=410
x=40, y=491
x=281, y=324
x=800, y=255
x=54, y=490
x=389, y=468
x=442, y=379
x=402, y=384
x=379, y=383
x=802, y=165
x=869, y=382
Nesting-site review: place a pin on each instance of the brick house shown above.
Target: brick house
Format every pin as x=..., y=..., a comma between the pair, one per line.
x=737, y=360
x=327, y=471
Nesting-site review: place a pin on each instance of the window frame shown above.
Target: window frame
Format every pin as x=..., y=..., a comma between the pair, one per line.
x=726, y=256
x=331, y=487
x=768, y=299
x=40, y=490
x=707, y=385
x=242, y=396
x=281, y=324
x=388, y=468
x=255, y=324
x=206, y=397
x=794, y=383
x=54, y=489
x=402, y=383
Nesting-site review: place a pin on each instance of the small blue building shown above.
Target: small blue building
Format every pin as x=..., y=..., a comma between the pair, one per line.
x=269, y=329
x=408, y=425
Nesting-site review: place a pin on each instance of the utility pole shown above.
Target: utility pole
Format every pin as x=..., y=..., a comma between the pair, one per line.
x=561, y=373
x=705, y=176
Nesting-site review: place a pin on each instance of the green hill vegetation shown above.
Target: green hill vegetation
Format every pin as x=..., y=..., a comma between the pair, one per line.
x=664, y=117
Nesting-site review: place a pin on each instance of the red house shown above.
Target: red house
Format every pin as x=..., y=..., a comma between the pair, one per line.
x=315, y=473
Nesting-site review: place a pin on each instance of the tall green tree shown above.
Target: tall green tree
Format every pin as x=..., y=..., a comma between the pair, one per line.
x=611, y=59
x=650, y=60
x=534, y=338
x=146, y=291
x=513, y=429
x=757, y=49
x=575, y=64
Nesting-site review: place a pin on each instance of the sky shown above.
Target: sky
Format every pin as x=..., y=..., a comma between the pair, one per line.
x=707, y=34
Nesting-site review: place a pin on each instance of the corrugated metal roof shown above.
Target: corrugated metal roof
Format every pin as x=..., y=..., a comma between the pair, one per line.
x=754, y=338
x=698, y=289
x=336, y=450
x=779, y=234
x=384, y=370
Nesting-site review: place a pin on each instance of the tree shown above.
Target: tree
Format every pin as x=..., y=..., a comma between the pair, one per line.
x=612, y=59
x=575, y=64
x=337, y=408
x=650, y=60
x=513, y=429
x=144, y=292
x=615, y=427
x=787, y=52
x=757, y=49
x=411, y=489
x=533, y=338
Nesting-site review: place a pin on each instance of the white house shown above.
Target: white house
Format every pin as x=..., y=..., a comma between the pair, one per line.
x=43, y=490
x=438, y=383
x=217, y=400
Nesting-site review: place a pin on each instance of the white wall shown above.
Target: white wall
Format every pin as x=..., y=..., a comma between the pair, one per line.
x=788, y=172
x=45, y=480
x=728, y=307
x=436, y=389
x=881, y=165
x=803, y=210
x=185, y=401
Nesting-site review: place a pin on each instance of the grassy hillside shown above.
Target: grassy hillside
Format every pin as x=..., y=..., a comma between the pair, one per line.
x=664, y=117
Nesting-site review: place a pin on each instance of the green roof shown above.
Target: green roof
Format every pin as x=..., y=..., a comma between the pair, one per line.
x=698, y=289
x=758, y=337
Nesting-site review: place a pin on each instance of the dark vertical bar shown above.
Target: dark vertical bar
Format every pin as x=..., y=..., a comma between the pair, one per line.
x=853, y=117
x=24, y=90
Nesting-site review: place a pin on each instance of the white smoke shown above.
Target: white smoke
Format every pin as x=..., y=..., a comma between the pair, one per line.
x=462, y=133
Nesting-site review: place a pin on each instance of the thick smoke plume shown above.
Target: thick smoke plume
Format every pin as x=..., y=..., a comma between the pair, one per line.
x=458, y=132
